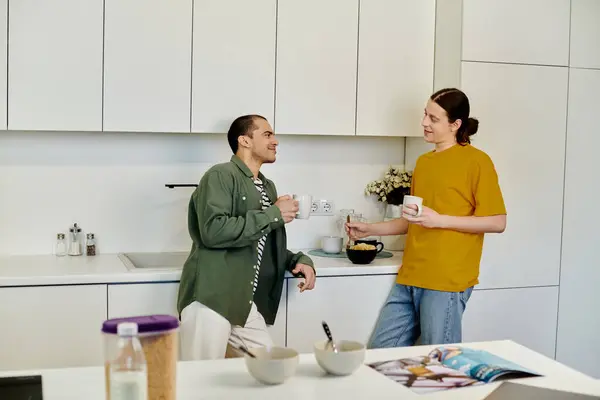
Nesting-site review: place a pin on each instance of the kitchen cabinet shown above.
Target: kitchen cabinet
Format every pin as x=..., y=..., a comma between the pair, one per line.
x=585, y=32
x=395, y=66
x=3, y=61
x=147, y=65
x=525, y=315
x=233, y=70
x=55, y=65
x=316, y=67
x=528, y=252
x=578, y=318
x=278, y=329
x=128, y=300
x=350, y=305
x=52, y=326
x=516, y=31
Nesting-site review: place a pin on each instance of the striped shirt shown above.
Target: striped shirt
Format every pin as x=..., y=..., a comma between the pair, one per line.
x=265, y=203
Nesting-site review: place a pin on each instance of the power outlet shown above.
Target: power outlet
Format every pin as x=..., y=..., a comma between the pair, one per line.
x=323, y=208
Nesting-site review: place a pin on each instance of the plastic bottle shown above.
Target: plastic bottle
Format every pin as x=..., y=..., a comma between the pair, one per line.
x=128, y=370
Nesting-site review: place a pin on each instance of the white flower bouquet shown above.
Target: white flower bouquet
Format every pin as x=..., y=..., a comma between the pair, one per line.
x=392, y=188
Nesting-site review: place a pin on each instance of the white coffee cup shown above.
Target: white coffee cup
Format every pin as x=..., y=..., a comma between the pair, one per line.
x=332, y=244
x=413, y=200
x=304, y=205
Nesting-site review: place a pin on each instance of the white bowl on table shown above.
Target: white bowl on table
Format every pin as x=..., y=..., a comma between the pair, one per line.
x=350, y=356
x=272, y=366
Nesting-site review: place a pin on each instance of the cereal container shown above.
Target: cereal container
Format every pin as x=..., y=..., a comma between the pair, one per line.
x=158, y=335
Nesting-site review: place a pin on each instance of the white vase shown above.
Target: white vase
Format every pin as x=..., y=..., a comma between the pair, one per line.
x=396, y=242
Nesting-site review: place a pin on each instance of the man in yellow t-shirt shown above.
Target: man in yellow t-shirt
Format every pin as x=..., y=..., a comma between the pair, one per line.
x=462, y=201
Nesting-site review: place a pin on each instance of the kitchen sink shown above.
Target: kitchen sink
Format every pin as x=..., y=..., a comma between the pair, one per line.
x=154, y=261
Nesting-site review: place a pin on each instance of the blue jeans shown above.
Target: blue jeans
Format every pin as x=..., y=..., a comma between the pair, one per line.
x=410, y=312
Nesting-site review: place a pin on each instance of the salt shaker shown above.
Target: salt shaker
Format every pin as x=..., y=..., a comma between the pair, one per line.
x=90, y=245
x=60, y=249
x=75, y=245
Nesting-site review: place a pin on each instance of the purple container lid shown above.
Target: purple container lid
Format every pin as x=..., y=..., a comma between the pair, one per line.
x=146, y=323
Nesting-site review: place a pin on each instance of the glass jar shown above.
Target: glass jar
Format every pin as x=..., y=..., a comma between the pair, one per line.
x=60, y=248
x=158, y=335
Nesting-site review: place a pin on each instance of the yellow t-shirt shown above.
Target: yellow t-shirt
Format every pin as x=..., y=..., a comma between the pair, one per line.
x=459, y=181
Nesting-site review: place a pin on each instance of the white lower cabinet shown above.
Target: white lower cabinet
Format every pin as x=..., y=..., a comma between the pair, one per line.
x=350, y=306
x=60, y=326
x=278, y=329
x=129, y=300
x=51, y=327
x=527, y=316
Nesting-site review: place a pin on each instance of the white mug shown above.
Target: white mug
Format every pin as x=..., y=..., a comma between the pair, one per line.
x=304, y=205
x=413, y=200
x=331, y=244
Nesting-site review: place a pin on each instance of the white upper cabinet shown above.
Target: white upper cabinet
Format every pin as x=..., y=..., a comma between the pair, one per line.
x=395, y=66
x=233, y=62
x=147, y=65
x=585, y=34
x=55, y=65
x=3, y=61
x=317, y=43
x=516, y=31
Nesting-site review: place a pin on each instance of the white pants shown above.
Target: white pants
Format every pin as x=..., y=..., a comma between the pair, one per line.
x=204, y=334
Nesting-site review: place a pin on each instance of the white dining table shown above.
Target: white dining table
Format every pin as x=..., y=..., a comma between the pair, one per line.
x=229, y=379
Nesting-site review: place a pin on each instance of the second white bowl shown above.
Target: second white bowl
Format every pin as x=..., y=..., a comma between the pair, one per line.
x=349, y=357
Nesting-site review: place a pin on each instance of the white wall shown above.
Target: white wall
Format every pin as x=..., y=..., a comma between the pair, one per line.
x=113, y=184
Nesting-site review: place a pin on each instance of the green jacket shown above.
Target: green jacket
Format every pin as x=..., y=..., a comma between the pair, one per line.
x=225, y=222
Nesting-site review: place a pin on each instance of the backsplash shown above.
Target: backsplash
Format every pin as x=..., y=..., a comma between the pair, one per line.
x=113, y=185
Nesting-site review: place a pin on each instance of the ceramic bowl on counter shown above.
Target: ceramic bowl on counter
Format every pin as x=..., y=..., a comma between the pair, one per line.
x=272, y=366
x=364, y=251
x=349, y=357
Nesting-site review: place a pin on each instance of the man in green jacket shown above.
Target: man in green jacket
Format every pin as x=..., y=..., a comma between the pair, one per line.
x=233, y=278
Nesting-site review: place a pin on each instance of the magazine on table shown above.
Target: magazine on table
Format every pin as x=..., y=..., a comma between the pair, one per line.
x=450, y=367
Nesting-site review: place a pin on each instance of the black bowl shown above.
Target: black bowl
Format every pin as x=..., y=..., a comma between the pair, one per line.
x=361, y=256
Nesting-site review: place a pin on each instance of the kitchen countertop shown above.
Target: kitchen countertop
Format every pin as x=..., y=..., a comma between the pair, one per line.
x=229, y=379
x=39, y=270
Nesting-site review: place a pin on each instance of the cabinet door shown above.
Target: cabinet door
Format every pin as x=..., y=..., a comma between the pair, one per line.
x=161, y=298
x=525, y=315
x=234, y=62
x=516, y=31
x=3, y=61
x=528, y=252
x=55, y=65
x=350, y=306
x=579, y=319
x=316, y=67
x=52, y=327
x=585, y=33
x=278, y=330
x=142, y=299
x=395, y=66
x=147, y=65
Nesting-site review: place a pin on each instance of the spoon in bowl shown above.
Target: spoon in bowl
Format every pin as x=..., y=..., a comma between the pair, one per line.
x=349, y=238
x=328, y=333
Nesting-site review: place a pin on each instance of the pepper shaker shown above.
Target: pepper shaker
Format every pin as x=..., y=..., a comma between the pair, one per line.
x=90, y=245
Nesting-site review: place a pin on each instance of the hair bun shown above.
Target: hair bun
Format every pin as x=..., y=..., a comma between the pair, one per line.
x=472, y=126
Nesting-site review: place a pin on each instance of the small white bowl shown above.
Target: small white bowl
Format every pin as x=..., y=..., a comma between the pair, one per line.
x=272, y=366
x=349, y=357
